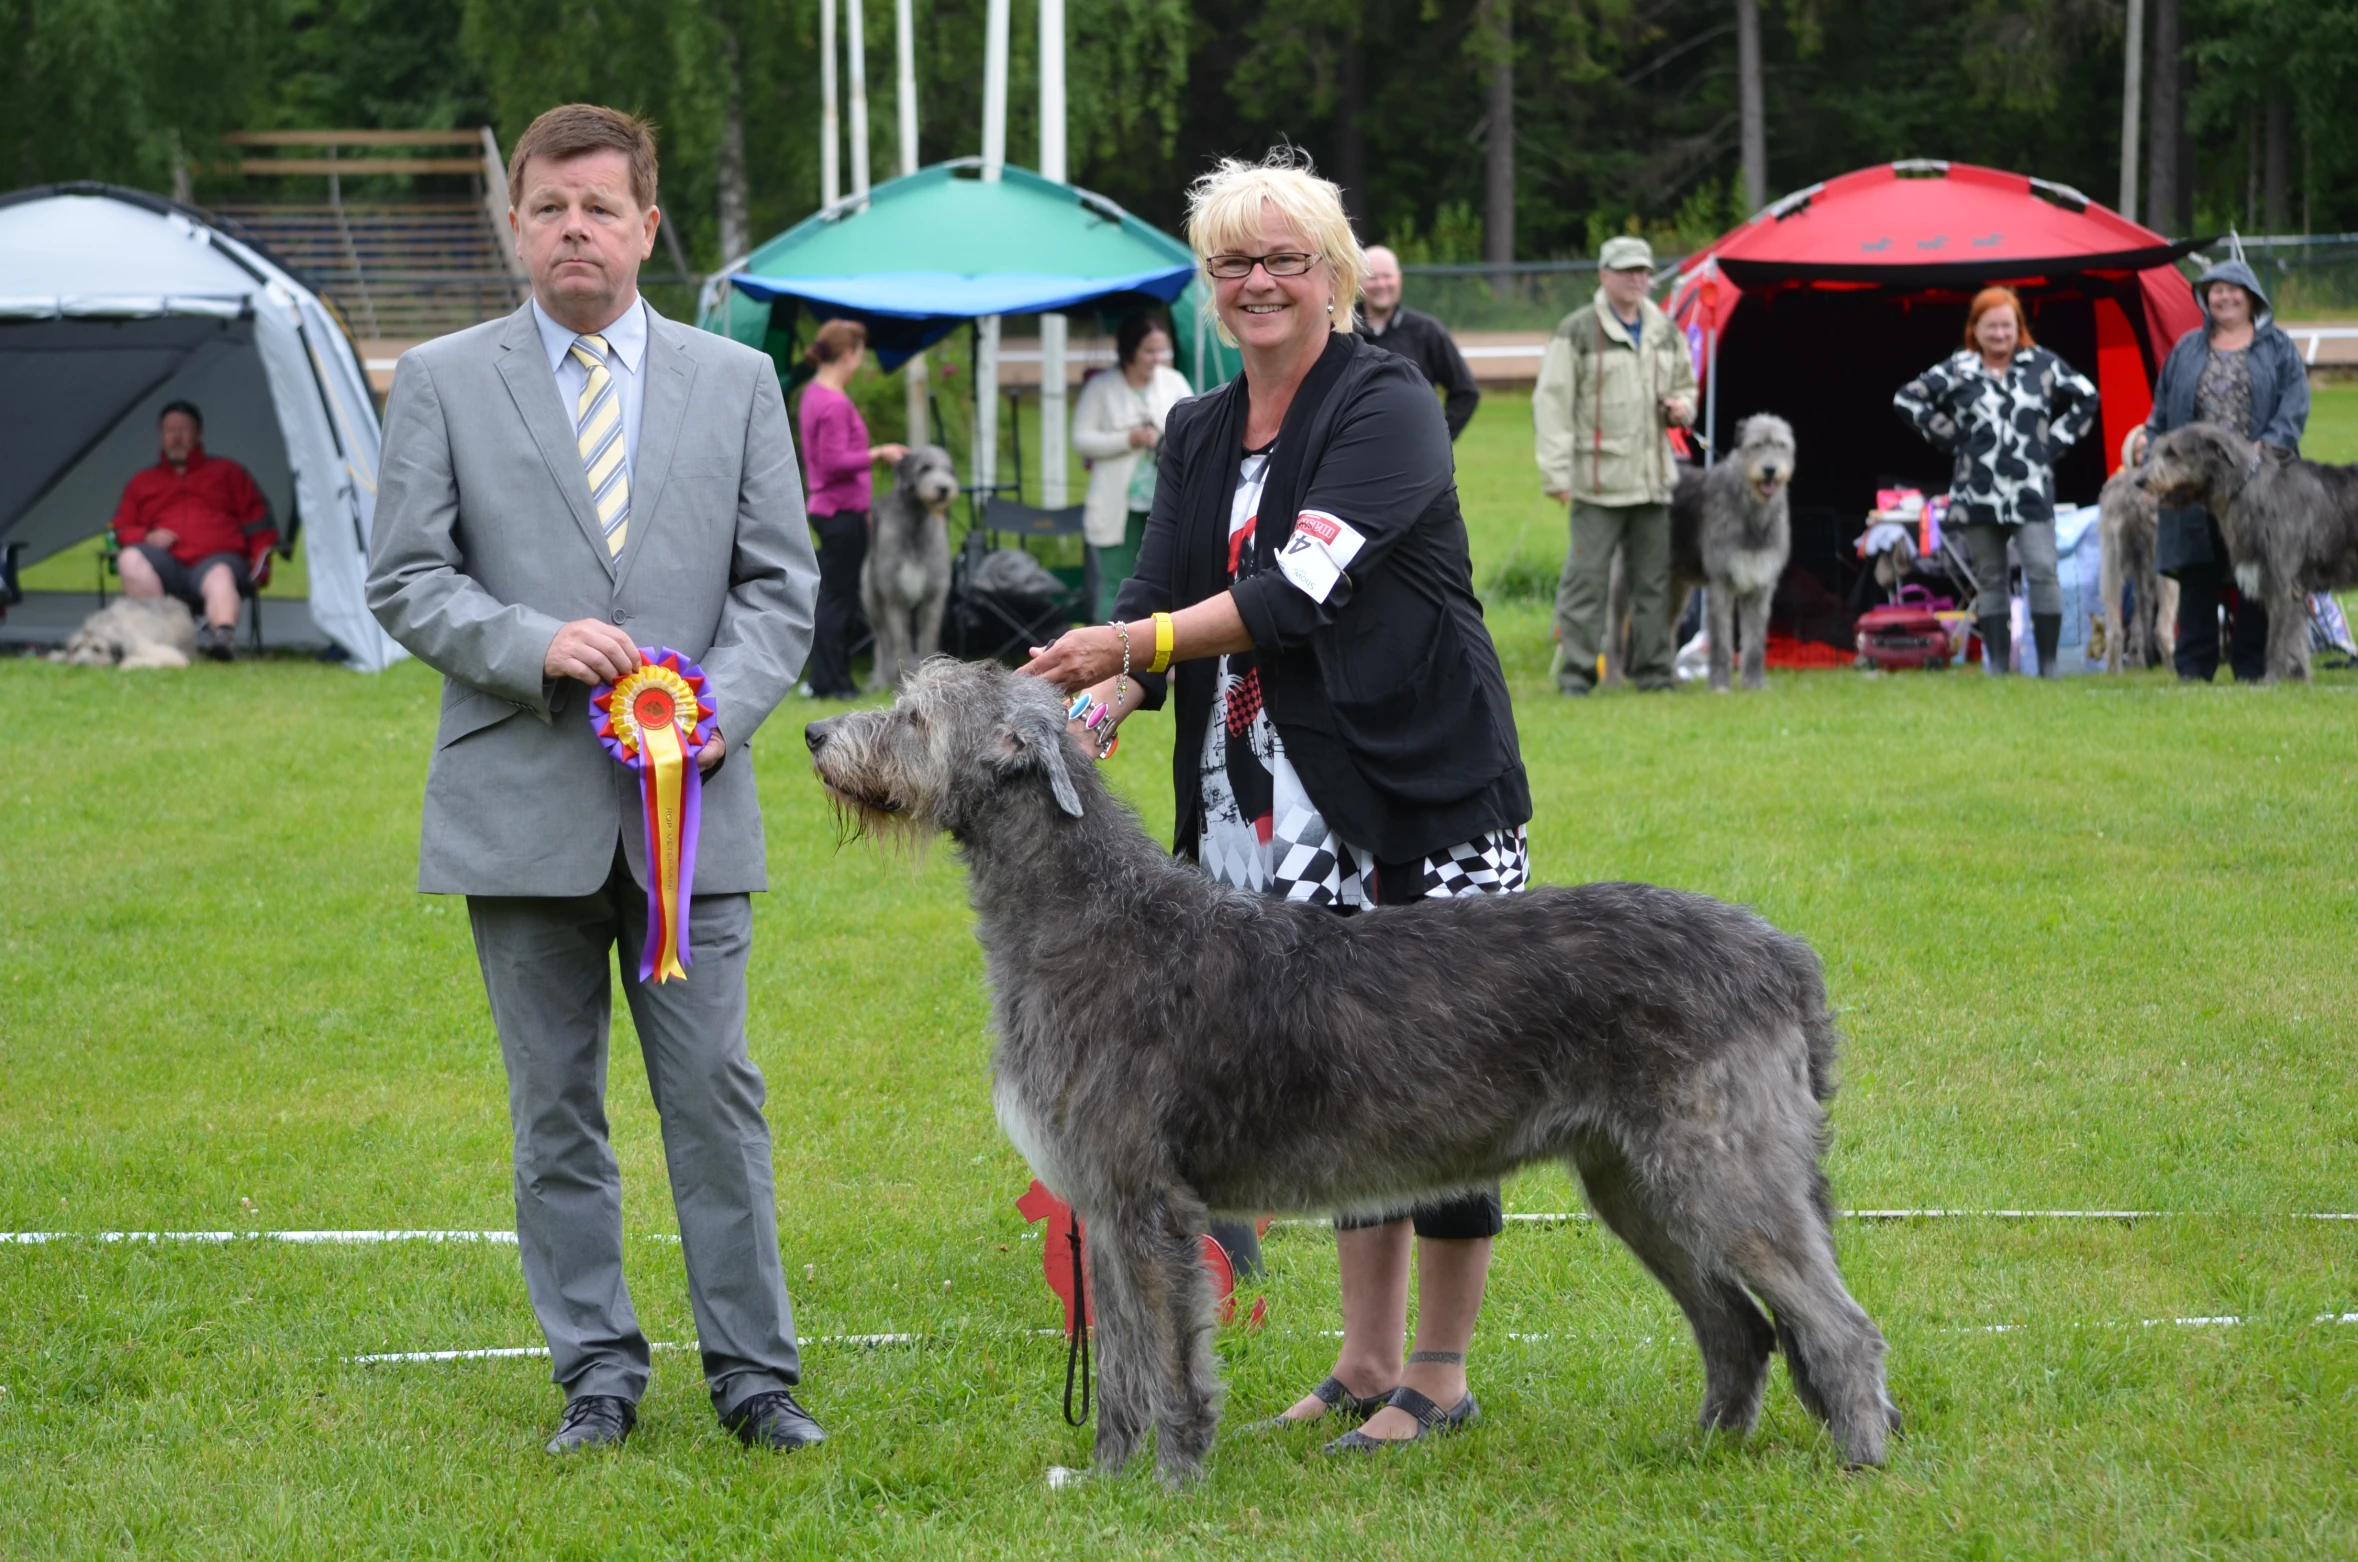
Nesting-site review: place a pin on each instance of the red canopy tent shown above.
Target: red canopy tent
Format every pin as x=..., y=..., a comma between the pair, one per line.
x=1828, y=301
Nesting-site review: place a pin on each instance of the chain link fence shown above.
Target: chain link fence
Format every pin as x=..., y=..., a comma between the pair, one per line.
x=1530, y=295
x=2308, y=276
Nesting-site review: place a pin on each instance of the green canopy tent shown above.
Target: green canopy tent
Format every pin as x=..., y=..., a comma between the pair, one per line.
x=917, y=257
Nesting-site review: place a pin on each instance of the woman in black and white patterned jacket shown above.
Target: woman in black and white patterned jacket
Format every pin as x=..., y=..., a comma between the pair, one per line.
x=2005, y=408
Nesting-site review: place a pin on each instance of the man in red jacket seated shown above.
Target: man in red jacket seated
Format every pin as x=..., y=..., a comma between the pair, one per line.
x=195, y=527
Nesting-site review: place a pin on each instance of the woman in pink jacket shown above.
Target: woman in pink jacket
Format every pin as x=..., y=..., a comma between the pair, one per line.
x=836, y=461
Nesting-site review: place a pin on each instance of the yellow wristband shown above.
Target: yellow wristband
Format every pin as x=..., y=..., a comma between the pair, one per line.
x=1162, y=643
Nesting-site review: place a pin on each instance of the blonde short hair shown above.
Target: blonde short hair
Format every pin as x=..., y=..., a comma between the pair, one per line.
x=1224, y=211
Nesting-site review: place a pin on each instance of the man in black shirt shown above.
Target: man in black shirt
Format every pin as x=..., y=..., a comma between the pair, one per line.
x=1421, y=339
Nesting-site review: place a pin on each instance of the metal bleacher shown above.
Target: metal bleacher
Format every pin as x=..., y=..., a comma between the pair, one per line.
x=399, y=271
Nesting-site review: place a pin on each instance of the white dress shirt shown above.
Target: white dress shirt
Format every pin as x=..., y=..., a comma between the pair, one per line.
x=626, y=357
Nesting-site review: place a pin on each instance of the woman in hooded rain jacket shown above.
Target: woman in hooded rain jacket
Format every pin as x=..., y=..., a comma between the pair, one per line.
x=2238, y=369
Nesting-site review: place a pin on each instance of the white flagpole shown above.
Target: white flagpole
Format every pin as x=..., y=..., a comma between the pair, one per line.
x=994, y=158
x=1053, y=430
x=830, y=132
x=913, y=377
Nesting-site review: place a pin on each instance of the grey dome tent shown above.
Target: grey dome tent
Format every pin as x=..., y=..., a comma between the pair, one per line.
x=113, y=303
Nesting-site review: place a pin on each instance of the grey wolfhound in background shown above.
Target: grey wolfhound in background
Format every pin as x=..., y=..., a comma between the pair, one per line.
x=906, y=578
x=1731, y=532
x=2291, y=525
x=2128, y=521
x=1168, y=1047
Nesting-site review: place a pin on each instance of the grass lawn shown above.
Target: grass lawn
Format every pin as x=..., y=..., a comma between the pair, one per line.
x=2091, y=942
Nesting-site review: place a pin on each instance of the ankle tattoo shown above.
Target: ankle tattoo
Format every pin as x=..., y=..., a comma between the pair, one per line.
x=1437, y=1358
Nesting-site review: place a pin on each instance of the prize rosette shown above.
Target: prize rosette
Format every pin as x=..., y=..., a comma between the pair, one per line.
x=655, y=720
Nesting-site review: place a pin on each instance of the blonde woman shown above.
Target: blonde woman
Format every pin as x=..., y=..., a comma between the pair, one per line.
x=1344, y=736
x=1117, y=423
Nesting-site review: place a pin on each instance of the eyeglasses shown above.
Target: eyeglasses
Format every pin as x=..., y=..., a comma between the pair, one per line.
x=1285, y=263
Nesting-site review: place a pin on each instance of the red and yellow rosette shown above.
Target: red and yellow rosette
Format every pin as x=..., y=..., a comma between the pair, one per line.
x=655, y=720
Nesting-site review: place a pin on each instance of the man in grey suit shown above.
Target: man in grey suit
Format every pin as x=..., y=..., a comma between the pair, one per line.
x=557, y=489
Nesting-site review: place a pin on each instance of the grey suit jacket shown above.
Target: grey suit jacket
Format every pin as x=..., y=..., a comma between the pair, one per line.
x=486, y=544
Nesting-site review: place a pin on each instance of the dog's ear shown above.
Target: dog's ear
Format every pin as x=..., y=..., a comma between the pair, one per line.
x=1037, y=737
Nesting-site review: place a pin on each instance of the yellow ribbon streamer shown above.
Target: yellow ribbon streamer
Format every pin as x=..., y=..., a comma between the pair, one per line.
x=666, y=763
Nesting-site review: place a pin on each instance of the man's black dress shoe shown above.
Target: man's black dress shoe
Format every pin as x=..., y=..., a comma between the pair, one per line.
x=773, y=1420
x=593, y=1421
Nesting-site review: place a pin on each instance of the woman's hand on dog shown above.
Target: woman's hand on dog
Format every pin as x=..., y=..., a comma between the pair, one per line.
x=1081, y=657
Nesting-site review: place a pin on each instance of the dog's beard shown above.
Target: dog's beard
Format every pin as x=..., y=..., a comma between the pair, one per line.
x=879, y=819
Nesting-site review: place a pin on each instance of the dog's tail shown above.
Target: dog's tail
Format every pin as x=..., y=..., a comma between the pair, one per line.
x=1806, y=986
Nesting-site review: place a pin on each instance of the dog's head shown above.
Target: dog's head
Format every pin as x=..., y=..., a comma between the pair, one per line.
x=2197, y=464
x=1764, y=449
x=929, y=477
x=964, y=739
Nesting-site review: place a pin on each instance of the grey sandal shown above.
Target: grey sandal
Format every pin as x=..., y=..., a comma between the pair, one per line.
x=1431, y=1421
x=1336, y=1398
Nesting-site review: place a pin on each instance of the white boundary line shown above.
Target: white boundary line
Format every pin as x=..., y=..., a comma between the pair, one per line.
x=1554, y=1218
x=873, y=1341
x=512, y=1352
x=303, y=1238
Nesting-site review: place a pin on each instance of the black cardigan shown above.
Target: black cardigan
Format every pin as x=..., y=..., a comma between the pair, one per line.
x=1387, y=695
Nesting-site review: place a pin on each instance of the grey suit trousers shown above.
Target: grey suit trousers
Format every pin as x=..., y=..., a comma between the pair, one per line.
x=545, y=961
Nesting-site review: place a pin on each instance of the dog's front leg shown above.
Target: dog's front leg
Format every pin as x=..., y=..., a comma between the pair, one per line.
x=1154, y=1324
x=929, y=626
x=1720, y=597
x=2108, y=585
x=2288, y=634
x=1755, y=608
x=885, y=622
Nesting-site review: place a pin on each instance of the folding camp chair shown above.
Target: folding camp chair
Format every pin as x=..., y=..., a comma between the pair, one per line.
x=258, y=567
x=990, y=625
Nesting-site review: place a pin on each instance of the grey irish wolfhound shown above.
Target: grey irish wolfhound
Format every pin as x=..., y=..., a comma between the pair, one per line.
x=906, y=579
x=2291, y=525
x=1731, y=532
x=1740, y=513
x=1168, y=1047
x=2128, y=524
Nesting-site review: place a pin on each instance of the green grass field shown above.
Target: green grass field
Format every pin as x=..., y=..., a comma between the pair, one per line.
x=2090, y=940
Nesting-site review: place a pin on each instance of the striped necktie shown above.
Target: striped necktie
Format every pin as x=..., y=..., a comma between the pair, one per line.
x=597, y=428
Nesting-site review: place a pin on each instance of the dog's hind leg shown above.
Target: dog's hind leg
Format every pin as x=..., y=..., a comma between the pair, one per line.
x=1154, y=1331
x=1736, y=1341
x=1773, y=1231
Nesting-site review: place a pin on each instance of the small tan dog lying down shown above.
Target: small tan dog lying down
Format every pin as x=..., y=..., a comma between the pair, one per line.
x=133, y=632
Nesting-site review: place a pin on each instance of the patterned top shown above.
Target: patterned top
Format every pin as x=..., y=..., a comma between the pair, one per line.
x=2005, y=430
x=1261, y=829
x=2224, y=393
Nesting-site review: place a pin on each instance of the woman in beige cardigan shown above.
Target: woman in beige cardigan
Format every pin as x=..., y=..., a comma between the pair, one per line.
x=1117, y=425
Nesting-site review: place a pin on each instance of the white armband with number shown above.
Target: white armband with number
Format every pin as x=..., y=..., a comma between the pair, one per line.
x=1321, y=548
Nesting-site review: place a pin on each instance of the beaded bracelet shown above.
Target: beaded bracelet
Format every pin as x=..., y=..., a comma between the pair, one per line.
x=1122, y=681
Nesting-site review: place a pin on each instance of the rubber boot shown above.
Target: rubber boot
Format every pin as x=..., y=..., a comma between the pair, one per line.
x=1997, y=645
x=2046, y=632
